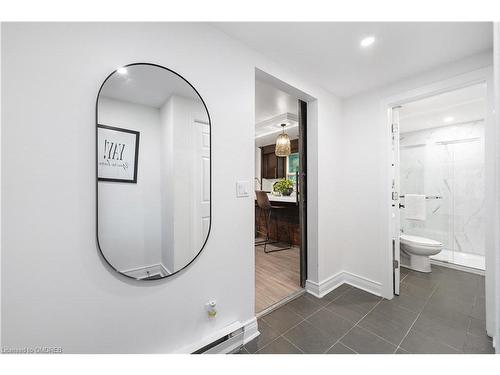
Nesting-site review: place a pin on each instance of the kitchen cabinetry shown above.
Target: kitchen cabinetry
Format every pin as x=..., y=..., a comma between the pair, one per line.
x=273, y=166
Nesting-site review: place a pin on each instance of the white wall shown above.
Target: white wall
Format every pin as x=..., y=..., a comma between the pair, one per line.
x=182, y=239
x=129, y=214
x=71, y=298
x=496, y=224
x=365, y=177
x=1, y=227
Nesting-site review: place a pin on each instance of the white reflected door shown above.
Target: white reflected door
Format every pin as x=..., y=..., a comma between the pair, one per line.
x=201, y=214
x=394, y=120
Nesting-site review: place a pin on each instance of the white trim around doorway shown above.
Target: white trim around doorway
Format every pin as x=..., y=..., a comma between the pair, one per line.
x=474, y=77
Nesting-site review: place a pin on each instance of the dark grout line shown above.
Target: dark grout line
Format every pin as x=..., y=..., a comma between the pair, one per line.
x=418, y=315
x=355, y=324
x=293, y=344
x=469, y=323
x=283, y=333
x=320, y=307
x=348, y=347
x=303, y=320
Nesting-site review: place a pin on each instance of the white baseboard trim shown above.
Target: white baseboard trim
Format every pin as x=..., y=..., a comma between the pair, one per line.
x=319, y=290
x=250, y=330
x=144, y=271
x=360, y=282
x=324, y=287
x=165, y=269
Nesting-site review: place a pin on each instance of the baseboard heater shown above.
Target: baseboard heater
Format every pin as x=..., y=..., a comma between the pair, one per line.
x=226, y=340
x=225, y=344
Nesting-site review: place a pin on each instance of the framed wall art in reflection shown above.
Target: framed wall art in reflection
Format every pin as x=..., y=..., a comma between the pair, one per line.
x=117, y=154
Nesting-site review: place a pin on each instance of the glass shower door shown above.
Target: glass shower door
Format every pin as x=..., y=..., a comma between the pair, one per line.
x=447, y=165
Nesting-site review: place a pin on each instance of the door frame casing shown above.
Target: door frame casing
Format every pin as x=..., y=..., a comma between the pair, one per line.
x=310, y=244
x=302, y=106
x=483, y=75
x=395, y=183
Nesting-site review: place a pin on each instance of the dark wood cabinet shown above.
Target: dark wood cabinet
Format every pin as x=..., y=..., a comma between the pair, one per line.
x=273, y=166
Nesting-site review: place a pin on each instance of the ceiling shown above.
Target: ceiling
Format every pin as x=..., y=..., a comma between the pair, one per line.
x=266, y=132
x=270, y=102
x=273, y=107
x=147, y=85
x=454, y=107
x=329, y=53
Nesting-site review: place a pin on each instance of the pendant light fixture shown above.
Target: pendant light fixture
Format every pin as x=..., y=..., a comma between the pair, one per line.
x=283, y=144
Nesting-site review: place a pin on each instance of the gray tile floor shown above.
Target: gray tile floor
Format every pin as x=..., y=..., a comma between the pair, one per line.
x=440, y=312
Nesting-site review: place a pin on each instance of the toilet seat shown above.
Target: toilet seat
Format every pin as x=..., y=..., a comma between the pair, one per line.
x=419, y=241
x=419, y=249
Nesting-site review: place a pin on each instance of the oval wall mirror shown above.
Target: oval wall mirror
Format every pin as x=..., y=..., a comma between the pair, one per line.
x=153, y=171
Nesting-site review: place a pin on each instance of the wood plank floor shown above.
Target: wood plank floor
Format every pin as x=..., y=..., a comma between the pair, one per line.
x=276, y=276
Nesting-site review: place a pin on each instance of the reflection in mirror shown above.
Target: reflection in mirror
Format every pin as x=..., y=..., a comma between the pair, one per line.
x=153, y=171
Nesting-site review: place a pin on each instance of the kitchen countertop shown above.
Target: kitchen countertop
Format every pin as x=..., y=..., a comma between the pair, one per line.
x=275, y=198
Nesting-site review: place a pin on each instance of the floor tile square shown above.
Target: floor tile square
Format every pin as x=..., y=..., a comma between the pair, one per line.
x=361, y=296
x=389, y=324
x=282, y=319
x=353, y=305
x=441, y=330
x=339, y=348
x=267, y=334
x=393, y=311
x=453, y=316
x=424, y=283
x=478, y=345
x=332, y=324
x=479, y=309
x=418, y=343
x=337, y=292
x=412, y=297
x=477, y=327
x=304, y=306
x=446, y=302
x=309, y=339
x=280, y=346
x=364, y=342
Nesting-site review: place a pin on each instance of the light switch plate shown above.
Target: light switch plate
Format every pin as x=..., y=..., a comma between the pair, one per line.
x=242, y=189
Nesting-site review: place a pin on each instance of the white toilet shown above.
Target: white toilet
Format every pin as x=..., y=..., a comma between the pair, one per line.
x=419, y=249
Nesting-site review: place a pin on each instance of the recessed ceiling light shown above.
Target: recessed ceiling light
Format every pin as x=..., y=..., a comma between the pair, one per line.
x=448, y=119
x=121, y=70
x=368, y=41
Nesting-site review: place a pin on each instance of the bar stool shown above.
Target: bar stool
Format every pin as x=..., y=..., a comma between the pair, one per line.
x=270, y=212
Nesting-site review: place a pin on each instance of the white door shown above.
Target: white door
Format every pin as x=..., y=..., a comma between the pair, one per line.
x=394, y=116
x=201, y=174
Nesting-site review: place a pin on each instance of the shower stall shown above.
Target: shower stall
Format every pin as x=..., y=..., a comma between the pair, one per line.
x=447, y=165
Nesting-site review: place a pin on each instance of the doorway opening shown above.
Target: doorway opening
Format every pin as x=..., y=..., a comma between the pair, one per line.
x=439, y=218
x=439, y=181
x=280, y=196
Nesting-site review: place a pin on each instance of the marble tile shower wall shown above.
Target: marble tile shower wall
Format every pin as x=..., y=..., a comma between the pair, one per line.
x=447, y=162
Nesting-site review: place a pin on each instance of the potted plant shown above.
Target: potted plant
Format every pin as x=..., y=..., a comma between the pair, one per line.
x=285, y=187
